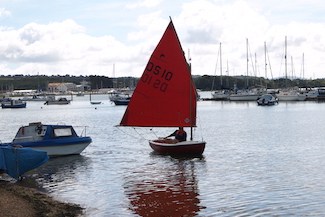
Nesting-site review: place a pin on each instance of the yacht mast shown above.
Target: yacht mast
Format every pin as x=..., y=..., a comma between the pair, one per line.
x=247, y=62
x=221, y=84
x=285, y=59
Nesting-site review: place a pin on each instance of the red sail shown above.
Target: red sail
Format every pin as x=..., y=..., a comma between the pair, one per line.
x=165, y=95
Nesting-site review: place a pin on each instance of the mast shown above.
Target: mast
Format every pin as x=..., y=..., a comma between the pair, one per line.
x=265, y=61
x=285, y=59
x=221, y=84
x=114, y=79
x=191, y=115
x=227, y=80
x=292, y=69
x=303, y=65
x=247, y=62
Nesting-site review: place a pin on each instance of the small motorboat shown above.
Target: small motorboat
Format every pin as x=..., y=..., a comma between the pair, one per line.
x=122, y=101
x=13, y=104
x=56, y=140
x=15, y=160
x=120, y=98
x=59, y=101
x=267, y=99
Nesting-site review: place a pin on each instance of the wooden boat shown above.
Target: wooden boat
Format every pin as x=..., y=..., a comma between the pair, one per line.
x=13, y=104
x=15, y=161
x=165, y=96
x=56, y=140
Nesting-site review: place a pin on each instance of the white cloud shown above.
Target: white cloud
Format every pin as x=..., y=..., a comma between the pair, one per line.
x=4, y=12
x=67, y=47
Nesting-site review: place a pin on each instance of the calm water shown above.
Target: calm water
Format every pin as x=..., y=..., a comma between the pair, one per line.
x=258, y=161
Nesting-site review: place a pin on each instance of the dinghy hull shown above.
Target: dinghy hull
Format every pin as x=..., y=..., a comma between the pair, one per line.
x=180, y=148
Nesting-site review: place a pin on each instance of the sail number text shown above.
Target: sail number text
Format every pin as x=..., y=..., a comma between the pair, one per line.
x=157, y=76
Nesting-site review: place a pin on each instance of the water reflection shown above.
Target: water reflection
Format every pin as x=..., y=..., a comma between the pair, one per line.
x=164, y=189
x=61, y=169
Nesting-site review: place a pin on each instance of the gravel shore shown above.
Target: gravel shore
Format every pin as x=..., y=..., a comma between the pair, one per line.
x=19, y=200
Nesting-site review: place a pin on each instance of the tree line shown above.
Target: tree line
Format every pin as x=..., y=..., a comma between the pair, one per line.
x=205, y=82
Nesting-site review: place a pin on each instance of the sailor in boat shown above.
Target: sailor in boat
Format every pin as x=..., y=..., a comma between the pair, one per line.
x=180, y=136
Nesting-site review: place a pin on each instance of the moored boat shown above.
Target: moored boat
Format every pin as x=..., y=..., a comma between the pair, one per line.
x=247, y=95
x=56, y=140
x=13, y=104
x=36, y=98
x=267, y=99
x=290, y=95
x=321, y=94
x=59, y=101
x=221, y=95
x=122, y=100
x=311, y=95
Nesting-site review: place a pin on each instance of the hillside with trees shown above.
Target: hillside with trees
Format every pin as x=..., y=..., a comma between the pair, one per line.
x=205, y=82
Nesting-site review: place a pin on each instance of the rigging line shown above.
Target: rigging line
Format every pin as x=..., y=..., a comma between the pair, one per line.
x=151, y=130
x=142, y=137
x=268, y=57
x=119, y=128
x=250, y=54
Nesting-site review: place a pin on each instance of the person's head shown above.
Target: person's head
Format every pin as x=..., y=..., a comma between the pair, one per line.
x=180, y=128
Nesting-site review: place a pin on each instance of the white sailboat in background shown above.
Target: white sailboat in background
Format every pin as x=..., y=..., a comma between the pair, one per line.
x=248, y=94
x=289, y=94
x=220, y=94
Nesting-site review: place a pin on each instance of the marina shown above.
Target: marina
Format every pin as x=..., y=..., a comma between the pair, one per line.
x=258, y=161
x=226, y=118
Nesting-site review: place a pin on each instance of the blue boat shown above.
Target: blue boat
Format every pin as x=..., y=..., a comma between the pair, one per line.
x=15, y=161
x=56, y=140
x=13, y=104
x=122, y=101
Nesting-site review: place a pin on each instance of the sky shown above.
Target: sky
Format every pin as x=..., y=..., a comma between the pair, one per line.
x=115, y=38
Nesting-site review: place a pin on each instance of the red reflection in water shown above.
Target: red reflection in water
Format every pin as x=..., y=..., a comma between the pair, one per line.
x=176, y=195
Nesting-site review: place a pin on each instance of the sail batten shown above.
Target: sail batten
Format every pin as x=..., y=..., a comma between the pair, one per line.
x=165, y=95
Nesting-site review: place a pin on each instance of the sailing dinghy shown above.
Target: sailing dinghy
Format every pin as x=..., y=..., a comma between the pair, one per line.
x=165, y=96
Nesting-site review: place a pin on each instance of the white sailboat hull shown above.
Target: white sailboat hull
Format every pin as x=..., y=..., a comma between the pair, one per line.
x=291, y=97
x=243, y=97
